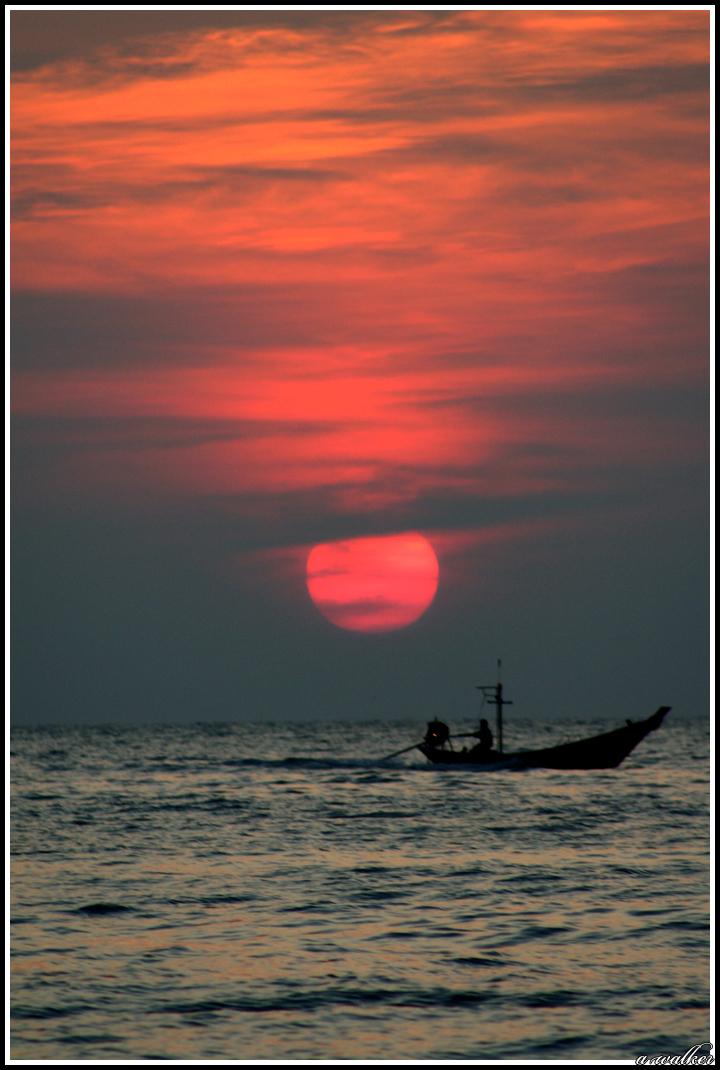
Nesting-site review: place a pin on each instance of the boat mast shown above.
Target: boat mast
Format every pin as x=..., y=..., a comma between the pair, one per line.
x=499, y=702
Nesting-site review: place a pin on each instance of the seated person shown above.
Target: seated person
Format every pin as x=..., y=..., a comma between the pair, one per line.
x=437, y=733
x=485, y=736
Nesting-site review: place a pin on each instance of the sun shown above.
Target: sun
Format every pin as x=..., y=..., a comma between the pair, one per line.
x=376, y=584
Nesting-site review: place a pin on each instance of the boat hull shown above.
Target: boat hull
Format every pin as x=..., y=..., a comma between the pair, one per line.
x=605, y=751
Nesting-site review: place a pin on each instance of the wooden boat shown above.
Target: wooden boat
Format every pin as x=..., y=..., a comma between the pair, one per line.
x=605, y=751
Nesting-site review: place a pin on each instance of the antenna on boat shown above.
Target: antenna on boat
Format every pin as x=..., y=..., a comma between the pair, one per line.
x=497, y=701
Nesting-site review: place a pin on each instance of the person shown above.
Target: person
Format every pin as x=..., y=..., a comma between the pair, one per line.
x=486, y=736
x=437, y=733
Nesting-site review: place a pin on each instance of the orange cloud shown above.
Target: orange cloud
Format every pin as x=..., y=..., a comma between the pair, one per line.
x=392, y=256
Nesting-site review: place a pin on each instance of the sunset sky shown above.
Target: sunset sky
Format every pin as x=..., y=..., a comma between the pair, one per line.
x=281, y=278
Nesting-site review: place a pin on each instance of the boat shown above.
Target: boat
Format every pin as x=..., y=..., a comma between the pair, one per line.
x=605, y=751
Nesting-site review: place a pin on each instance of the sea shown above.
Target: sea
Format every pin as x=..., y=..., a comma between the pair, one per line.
x=256, y=892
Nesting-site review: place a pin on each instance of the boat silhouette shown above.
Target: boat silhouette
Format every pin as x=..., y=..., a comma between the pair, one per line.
x=605, y=751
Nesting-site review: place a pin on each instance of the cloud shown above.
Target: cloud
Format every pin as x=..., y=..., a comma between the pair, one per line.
x=56, y=331
x=631, y=83
x=386, y=253
x=77, y=434
x=559, y=454
x=108, y=50
x=380, y=153
x=622, y=400
x=282, y=278
x=39, y=38
x=80, y=196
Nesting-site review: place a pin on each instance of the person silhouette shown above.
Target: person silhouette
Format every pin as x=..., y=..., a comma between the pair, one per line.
x=437, y=733
x=485, y=736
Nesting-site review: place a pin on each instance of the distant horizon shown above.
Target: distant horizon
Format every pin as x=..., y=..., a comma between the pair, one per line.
x=359, y=722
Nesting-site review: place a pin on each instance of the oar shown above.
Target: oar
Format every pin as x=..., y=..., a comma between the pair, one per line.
x=403, y=751
x=463, y=735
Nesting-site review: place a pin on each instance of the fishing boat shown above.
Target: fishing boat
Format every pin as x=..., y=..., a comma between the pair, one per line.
x=605, y=751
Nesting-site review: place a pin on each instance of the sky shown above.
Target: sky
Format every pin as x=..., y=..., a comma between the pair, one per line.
x=281, y=279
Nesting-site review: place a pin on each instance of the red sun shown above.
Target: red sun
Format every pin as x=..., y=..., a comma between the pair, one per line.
x=375, y=584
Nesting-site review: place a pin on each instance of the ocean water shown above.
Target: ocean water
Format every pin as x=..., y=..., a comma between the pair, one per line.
x=252, y=892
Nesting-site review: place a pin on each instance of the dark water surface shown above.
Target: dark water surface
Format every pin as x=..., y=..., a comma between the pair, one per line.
x=236, y=892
